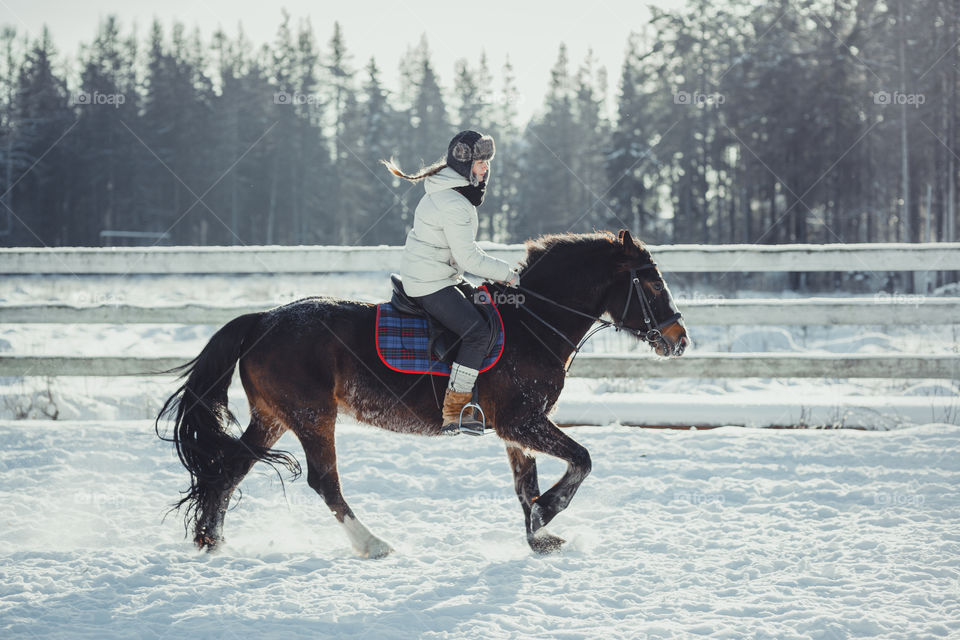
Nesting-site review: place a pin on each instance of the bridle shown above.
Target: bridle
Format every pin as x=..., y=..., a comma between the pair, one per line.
x=653, y=328
x=651, y=333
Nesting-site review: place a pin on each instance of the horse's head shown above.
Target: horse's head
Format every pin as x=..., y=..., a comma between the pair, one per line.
x=640, y=301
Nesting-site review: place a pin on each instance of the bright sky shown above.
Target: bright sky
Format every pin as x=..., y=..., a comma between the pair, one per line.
x=530, y=32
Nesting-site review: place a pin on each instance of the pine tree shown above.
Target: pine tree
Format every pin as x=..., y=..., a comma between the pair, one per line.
x=547, y=199
x=501, y=201
x=631, y=156
x=468, y=97
x=241, y=135
x=343, y=115
x=14, y=155
x=43, y=118
x=487, y=96
x=101, y=141
x=172, y=134
x=426, y=131
x=383, y=221
x=591, y=135
x=432, y=130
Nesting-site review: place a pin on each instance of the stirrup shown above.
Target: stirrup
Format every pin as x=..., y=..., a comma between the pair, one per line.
x=473, y=431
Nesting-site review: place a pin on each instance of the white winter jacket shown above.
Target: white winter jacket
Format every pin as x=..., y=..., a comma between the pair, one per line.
x=442, y=245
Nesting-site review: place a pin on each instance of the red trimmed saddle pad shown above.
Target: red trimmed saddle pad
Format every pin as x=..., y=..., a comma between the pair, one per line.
x=403, y=341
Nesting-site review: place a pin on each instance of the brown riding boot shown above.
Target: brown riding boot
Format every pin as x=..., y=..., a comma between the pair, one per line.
x=453, y=404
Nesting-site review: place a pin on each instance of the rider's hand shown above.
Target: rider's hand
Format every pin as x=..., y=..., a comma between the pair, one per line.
x=514, y=280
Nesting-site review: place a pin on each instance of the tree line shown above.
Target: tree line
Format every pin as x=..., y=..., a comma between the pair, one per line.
x=786, y=121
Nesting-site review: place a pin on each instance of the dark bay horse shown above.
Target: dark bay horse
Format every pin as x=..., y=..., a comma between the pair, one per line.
x=303, y=363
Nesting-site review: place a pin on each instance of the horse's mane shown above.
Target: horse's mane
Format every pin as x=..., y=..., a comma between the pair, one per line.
x=564, y=257
x=565, y=246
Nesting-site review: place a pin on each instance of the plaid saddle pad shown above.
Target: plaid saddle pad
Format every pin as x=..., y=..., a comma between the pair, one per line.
x=403, y=341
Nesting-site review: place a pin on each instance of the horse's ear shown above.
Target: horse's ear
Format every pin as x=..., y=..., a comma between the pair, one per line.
x=627, y=240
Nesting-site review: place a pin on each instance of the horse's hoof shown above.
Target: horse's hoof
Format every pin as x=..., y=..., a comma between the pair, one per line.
x=206, y=542
x=374, y=548
x=544, y=543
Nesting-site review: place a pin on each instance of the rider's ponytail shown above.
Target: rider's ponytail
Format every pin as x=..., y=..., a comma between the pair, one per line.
x=425, y=172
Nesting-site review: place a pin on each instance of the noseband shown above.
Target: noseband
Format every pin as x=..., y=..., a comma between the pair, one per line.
x=651, y=333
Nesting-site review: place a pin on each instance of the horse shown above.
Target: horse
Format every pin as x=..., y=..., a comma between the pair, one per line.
x=303, y=363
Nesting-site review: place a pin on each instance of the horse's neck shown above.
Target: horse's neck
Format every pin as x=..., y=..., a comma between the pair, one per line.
x=573, y=326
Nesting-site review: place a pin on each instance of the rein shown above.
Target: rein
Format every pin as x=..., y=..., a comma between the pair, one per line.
x=651, y=335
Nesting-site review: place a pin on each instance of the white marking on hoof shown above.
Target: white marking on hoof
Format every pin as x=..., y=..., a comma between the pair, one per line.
x=364, y=543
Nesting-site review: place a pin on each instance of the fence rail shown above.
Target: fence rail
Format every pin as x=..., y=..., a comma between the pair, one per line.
x=809, y=311
x=714, y=365
x=881, y=257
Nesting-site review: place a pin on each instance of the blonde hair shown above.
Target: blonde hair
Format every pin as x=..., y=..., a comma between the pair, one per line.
x=425, y=172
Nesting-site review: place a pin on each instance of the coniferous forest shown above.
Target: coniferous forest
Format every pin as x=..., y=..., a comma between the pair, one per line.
x=770, y=122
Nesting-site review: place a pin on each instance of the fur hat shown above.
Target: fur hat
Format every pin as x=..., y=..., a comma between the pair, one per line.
x=466, y=148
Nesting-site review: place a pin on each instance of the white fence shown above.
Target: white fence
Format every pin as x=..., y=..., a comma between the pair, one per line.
x=879, y=310
x=672, y=259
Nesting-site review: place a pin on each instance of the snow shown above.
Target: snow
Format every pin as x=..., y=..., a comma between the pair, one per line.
x=726, y=533
x=758, y=409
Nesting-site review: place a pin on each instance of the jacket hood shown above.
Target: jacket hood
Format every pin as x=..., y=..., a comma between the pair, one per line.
x=447, y=178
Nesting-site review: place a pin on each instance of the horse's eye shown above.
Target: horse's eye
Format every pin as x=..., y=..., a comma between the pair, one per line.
x=658, y=286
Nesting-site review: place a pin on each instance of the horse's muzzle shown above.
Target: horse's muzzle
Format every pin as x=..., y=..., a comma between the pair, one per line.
x=681, y=345
x=673, y=341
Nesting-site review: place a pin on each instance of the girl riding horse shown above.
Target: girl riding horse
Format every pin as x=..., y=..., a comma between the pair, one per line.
x=442, y=245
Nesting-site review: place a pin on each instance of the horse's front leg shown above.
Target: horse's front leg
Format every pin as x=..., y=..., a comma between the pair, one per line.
x=541, y=434
x=524, y=467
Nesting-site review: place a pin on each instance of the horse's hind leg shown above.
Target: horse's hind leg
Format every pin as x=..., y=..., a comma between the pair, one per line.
x=541, y=434
x=264, y=432
x=318, y=442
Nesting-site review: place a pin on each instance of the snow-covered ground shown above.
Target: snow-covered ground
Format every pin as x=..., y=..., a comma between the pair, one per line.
x=727, y=533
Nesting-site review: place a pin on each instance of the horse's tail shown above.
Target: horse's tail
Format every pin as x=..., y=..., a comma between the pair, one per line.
x=209, y=453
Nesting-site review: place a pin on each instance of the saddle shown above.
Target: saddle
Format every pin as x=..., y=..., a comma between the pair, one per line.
x=444, y=343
